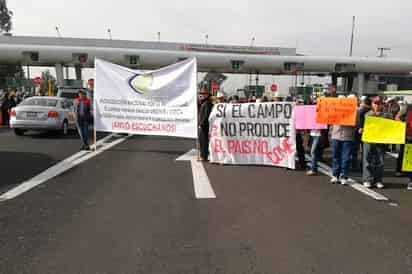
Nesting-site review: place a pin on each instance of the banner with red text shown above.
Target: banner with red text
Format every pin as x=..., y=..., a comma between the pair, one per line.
x=253, y=134
x=161, y=102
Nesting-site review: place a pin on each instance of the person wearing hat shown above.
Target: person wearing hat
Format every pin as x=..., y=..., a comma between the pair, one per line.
x=373, y=154
x=205, y=109
x=220, y=98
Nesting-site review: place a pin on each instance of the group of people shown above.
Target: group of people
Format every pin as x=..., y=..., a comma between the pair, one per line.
x=348, y=150
x=8, y=100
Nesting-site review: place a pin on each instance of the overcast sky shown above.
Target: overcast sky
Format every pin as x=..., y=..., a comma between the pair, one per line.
x=316, y=27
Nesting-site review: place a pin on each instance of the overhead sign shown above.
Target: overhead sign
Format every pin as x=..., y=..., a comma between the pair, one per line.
x=306, y=118
x=161, y=102
x=383, y=131
x=337, y=111
x=253, y=134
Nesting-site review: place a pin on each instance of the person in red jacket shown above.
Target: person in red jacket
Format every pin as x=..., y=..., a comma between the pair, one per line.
x=83, y=115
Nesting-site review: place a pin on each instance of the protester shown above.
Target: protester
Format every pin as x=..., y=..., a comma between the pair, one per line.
x=401, y=116
x=84, y=117
x=364, y=108
x=204, y=113
x=5, y=108
x=300, y=149
x=408, y=119
x=342, y=143
x=315, y=134
x=234, y=99
x=373, y=154
x=220, y=98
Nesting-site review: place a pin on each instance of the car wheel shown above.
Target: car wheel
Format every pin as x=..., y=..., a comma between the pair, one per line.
x=65, y=128
x=19, y=132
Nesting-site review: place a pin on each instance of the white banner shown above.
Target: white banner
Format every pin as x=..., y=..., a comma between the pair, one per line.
x=253, y=134
x=161, y=102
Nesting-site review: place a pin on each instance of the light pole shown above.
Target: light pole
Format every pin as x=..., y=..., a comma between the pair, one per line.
x=206, y=38
x=158, y=36
x=352, y=36
x=109, y=31
x=58, y=32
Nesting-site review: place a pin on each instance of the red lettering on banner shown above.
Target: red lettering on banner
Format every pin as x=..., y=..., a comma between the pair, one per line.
x=217, y=146
x=281, y=152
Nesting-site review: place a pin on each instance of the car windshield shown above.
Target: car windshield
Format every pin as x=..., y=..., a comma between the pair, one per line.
x=39, y=102
x=69, y=95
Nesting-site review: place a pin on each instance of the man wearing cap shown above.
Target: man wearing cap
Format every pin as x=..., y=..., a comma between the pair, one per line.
x=204, y=113
x=373, y=154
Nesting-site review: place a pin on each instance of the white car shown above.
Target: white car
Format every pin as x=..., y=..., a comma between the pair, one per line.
x=43, y=114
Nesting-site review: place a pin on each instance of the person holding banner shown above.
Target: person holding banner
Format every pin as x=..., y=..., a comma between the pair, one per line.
x=83, y=115
x=205, y=109
x=408, y=120
x=373, y=154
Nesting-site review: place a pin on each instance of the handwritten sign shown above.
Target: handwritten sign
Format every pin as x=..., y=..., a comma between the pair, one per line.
x=253, y=134
x=383, y=131
x=336, y=111
x=306, y=118
x=407, y=158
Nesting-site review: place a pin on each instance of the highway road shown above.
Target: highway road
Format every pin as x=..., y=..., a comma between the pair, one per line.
x=132, y=208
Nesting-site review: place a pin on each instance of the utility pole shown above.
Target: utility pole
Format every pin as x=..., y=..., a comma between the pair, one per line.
x=158, y=36
x=382, y=52
x=109, y=31
x=206, y=39
x=352, y=36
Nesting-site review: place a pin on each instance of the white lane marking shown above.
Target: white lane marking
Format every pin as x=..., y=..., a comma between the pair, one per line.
x=202, y=187
x=325, y=169
x=188, y=156
x=61, y=167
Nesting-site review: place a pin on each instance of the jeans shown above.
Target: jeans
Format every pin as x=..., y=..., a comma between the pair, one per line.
x=341, y=157
x=373, y=162
x=84, y=130
x=315, y=152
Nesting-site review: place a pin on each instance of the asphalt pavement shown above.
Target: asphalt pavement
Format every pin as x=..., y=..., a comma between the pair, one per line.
x=132, y=209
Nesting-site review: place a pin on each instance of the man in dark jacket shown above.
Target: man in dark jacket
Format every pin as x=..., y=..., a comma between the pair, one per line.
x=364, y=108
x=204, y=113
x=83, y=114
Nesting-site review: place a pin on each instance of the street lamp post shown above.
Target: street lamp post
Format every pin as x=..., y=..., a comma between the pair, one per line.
x=109, y=31
x=158, y=36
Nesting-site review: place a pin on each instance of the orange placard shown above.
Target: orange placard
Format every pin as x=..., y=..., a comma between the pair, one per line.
x=336, y=111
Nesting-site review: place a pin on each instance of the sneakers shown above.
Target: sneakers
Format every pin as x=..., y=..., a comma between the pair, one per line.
x=334, y=180
x=379, y=185
x=346, y=181
x=311, y=173
x=367, y=184
x=409, y=186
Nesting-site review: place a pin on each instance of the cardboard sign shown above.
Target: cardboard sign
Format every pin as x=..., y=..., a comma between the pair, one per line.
x=337, y=111
x=306, y=118
x=253, y=134
x=383, y=131
x=407, y=158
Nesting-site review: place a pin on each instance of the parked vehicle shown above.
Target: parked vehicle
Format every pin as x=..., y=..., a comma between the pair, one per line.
x=43, y=114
